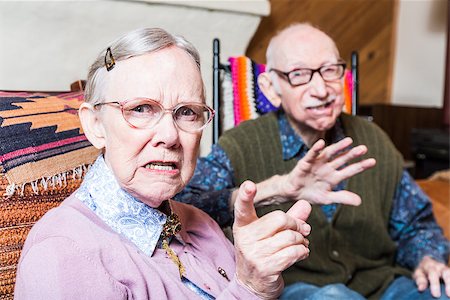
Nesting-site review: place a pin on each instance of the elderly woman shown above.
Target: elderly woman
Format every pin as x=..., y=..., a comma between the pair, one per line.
x=119, y=236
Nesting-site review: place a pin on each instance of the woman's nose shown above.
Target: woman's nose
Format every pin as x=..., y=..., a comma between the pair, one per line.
x=166, y=132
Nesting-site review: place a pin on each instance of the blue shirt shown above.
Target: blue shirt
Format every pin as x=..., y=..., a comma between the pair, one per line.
x=412, y=225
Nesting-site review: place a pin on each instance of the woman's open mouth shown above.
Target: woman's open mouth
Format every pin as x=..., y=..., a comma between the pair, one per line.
x=161, y=166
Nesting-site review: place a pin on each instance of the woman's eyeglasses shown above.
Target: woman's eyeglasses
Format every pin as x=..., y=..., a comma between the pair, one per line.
x=146, y=113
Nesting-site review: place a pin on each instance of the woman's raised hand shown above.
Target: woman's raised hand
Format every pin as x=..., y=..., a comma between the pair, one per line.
x=268, y=245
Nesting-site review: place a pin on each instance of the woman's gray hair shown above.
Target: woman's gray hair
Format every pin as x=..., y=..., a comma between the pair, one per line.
x=137, y=42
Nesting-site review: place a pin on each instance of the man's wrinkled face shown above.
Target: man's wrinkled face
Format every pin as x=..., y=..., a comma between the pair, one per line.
x=152, y=164
x=313, y=106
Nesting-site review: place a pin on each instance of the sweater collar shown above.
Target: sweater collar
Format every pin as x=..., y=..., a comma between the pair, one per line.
x=126, y=215
x=293, y=145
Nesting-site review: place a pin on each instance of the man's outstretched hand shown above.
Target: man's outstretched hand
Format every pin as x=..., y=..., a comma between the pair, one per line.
x=315, y=175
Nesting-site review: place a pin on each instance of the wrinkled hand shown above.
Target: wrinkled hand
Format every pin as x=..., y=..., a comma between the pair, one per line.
x=268, y=245
x=315, y=175
x=430, y=272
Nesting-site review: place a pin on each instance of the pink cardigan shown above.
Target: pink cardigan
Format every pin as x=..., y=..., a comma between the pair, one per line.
x=72, y=254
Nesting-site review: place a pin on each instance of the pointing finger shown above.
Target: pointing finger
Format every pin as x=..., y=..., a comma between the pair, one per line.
x=244, y=209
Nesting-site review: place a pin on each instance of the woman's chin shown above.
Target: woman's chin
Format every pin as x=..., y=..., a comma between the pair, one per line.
x=153, y=195
x=155, y=201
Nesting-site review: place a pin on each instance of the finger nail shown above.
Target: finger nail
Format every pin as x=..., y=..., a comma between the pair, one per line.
x=248, y=192
x=246, y=188
x=306, y=228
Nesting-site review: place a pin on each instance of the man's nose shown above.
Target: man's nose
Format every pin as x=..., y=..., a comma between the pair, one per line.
x=318, y=86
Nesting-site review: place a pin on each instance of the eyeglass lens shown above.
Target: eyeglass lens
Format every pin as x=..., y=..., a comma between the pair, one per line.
x=329, y=72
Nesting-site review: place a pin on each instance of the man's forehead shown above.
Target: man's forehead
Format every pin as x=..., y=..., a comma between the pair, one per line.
x=303, y=47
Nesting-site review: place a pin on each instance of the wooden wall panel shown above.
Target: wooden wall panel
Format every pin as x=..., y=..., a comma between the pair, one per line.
x=364, y=25
x=399, y=121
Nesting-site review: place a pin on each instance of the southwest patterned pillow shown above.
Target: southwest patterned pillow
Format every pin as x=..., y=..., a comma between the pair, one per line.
x=43, y=157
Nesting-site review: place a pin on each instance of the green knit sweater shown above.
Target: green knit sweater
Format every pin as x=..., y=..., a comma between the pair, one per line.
x=355, y=247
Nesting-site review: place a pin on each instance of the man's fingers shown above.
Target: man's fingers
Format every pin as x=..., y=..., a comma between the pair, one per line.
x=338, y=161
x=434, y=282
x=315, y=150
x=343, y=197
x=429, y=273
x=368, y=163
x=334, y=149
x=355, y=168
x=320, y=153
x=420, y=279
x=446, y=278
x=244, y=209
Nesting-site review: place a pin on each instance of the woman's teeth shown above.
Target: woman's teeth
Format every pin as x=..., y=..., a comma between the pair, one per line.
x=160, y=166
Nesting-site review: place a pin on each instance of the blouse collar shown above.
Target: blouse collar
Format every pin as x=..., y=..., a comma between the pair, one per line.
x=126, y=215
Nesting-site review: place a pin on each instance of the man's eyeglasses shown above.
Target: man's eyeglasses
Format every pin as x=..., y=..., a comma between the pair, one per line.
x=146, y=113
x=304, y=75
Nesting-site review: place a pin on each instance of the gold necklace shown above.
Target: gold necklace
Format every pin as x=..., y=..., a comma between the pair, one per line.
x=171, y=228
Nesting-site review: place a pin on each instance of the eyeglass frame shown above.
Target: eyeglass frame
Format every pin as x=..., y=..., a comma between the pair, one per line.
x=313, y=71
x=163, y=112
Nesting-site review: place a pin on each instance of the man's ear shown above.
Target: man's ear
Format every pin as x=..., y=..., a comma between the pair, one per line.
x=267, y=86
x=92, y=125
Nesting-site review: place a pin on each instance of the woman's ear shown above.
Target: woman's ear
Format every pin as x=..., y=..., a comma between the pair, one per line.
x=269, y=89
x=92, y=125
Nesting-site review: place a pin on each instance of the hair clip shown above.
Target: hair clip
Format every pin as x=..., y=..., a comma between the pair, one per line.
x=109, y=65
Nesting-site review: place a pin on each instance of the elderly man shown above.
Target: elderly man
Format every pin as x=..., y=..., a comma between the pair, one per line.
x=367, y=250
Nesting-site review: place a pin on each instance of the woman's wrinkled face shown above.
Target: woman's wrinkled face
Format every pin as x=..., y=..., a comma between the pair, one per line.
x=151, y=164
